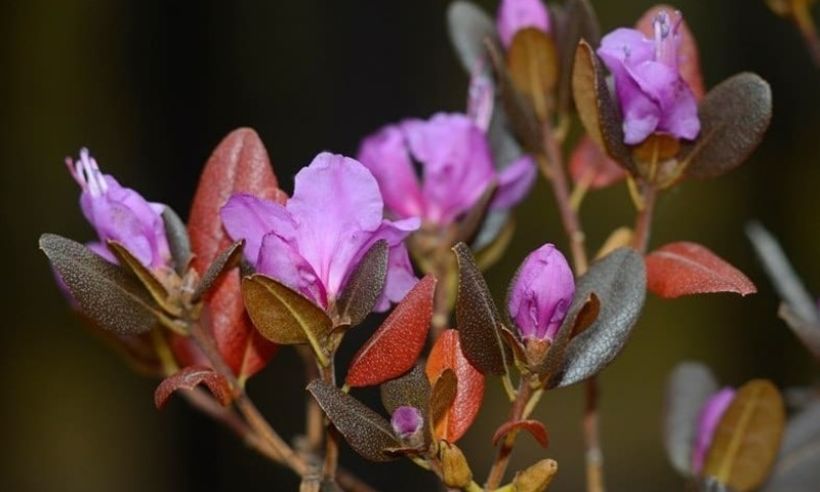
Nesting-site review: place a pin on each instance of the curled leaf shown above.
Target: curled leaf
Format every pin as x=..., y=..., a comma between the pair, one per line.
x=447, y=354
x=534, y=427
x=365, y=285
x=686, y=268
x=188, y=379
x=367, y=432
x=395, y=346
x=113, y=298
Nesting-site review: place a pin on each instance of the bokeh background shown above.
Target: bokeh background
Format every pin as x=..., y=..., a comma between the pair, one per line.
x=151, y=87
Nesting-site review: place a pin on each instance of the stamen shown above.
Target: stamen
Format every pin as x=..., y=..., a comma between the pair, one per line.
x=87, y=174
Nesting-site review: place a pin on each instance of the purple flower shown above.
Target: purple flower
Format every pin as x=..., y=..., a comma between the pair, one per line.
x=652, y=94
x=456, y=168
x=407, y=422
x=315, y=241
x=515, y=15
x=541, y=293
x=709, y=418
x=120, y=214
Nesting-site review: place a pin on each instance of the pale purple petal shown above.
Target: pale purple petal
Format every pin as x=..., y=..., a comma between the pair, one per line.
x=281, y=260
x=541, y=293
x=625, y=46
x=385, y=154
x=400, y=278
x=681, y=118
x=515, y=15
x=481, y=99
x=102, y=250
x=406, y=421
x=709, y=418
x=514, y=182
x=250, y=218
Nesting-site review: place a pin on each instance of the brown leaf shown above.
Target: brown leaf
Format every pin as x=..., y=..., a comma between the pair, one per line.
x=442, y=396
x=149, y=280
x=747, y=438
x=188, y=379
x=225, y=261
x=685, y=268
x=534, y=427
x=533, y=65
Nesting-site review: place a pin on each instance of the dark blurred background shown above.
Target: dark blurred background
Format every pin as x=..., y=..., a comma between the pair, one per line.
x=152, y=86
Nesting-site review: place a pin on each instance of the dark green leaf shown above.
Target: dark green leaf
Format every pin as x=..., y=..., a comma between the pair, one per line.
x=365, y=285
x=110, y=296
x=798, y=464
x=285, y=316
x=477, y=318
x=178, y=240
x=412, y=389
x=596, y=108
x=469, y=28
x=733, y=117
x=148, y=279
x=619, y=282
x=688, y=388
x=225, y=261
x=578, y=22
x=367, y=432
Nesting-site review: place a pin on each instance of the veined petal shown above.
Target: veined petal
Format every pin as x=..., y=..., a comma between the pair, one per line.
x=250, y=218
x=280, y=260
x=514, y=182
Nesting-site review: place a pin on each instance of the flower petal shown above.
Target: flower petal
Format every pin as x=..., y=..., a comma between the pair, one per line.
x=250, y=218
x=515, y=15
x=514, y=182
x=279, y=259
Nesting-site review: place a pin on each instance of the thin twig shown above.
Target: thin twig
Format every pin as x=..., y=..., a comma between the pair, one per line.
x=517, y=412
x=332, y=435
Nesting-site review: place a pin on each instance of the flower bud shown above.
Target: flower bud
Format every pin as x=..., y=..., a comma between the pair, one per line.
x=536, y=478
x=709, y=418
x=455, y=471
x=541, y=293
x=515, y=15
x=407, y=423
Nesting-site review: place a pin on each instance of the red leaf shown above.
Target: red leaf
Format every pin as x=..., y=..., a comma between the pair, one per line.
x=188, y=379
x=446, y=354
x=396, y=345
x=685, y=268
x=239, y=164
x=588, y=164
x=534, y=427
x=689, y=59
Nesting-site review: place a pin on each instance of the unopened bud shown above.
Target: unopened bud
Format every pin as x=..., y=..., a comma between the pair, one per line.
x=536, y=478
x=454, y=468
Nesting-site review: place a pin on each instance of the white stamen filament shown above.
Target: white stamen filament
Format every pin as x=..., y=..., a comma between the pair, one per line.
x=87, y=174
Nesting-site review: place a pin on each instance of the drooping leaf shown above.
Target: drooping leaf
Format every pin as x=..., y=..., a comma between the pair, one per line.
x=797, y=468
x=395, y=347
x=239, y=164
x=534, y=427
x=365, y=285
x=367, y=432
x=596, y=108
x=686, y=268
x=589, y=166
x=533, y=65
x=188, y=379
x=688, y=388
x=579, y=22
x=469, y=28
x=807, y=331
x=688, y=56
x=786, y=281
x=747, y=439
x=447, y=354
x=733, y=116
x=178, y=241
x=113, y=298
x=618, y=280
x=152, y=284
x=225, y=261
x=443, y=395
x=477, y=317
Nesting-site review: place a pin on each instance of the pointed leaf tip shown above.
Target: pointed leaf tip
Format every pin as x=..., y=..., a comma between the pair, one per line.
x=686, y=268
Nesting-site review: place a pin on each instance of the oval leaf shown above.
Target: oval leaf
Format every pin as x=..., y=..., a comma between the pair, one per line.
x=579, y=22
x=798, y=463
x=596, y=107
x=178, y=241
x=411, y=389
x=227, y=260
x=477, y=317
x=443, y=395
x=396, y=345
x=618, y=280
x=534, y=427
x=365, y=285
x=747, y=438
x=533, y=65
x=367, y=432
x=469, y=28
x=688, y=388
x=447, y=354
x=685, y=268
x=188, y=379
x=148, y=279
x=109, y=295
x=733, y=118
x=283, y=315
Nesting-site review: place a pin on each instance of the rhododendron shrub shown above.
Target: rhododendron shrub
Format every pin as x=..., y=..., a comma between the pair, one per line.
x=408, y=227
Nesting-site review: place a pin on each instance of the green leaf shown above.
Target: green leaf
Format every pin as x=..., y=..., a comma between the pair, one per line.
x=285, y=316
x=733, y=117
x=477, y=318
x=365, y=285
x=597, y=109
x=178, y=240
x=747, y=438
x=148, y=279
x=225, y=261
x=106, y=293
x=367, y=432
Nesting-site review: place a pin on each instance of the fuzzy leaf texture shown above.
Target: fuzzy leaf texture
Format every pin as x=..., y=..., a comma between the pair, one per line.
x=178, y=240
x=188, y=379
x=365, y=285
